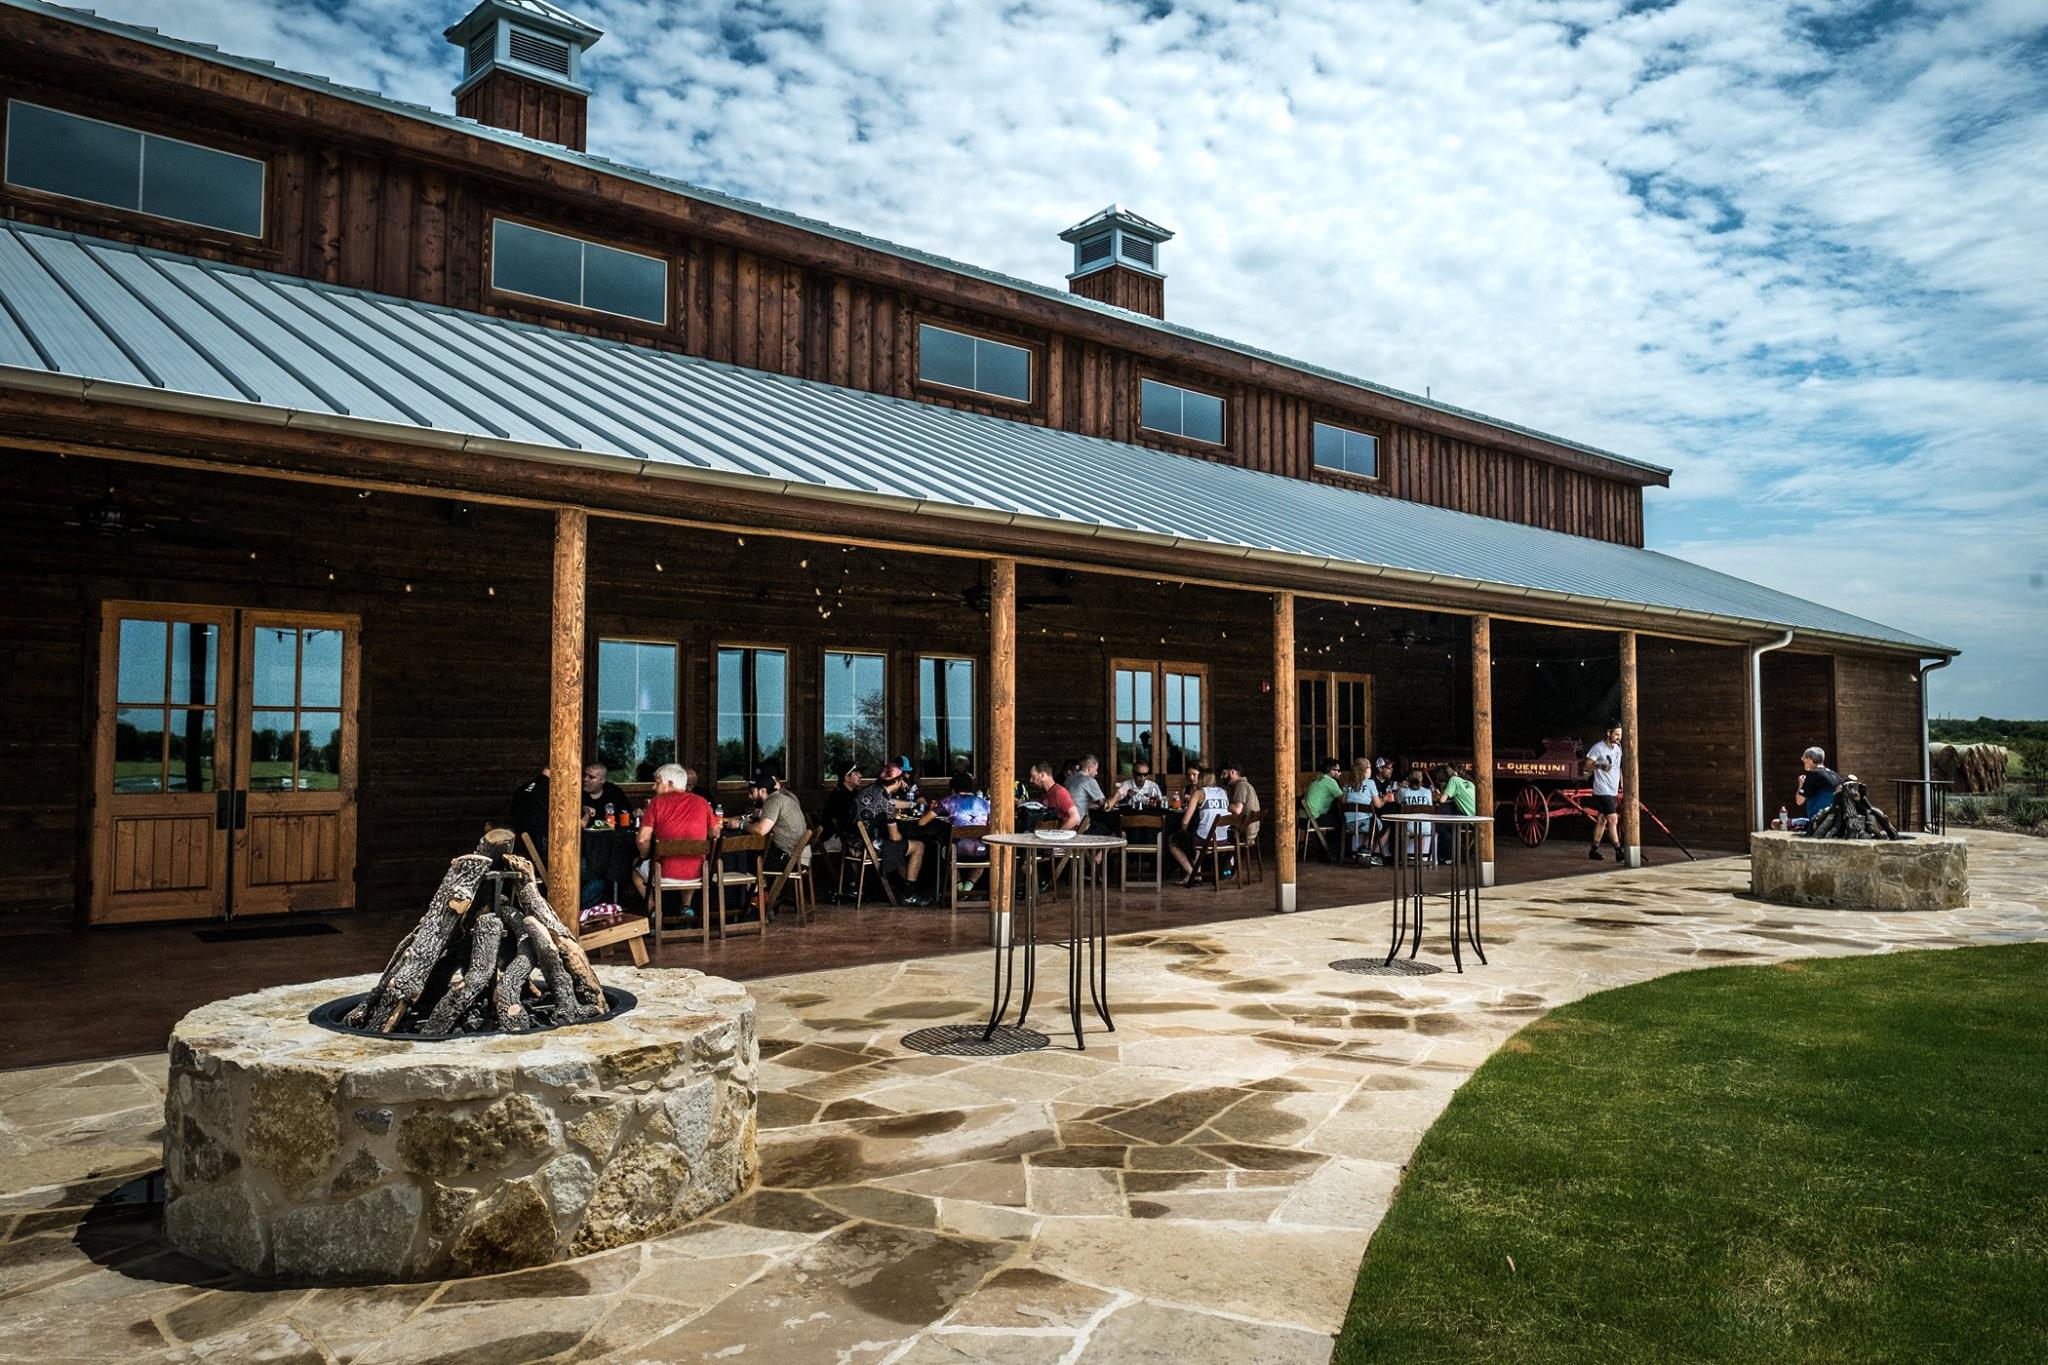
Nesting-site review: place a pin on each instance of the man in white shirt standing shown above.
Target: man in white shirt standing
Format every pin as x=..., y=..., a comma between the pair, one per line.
x=1603, y=764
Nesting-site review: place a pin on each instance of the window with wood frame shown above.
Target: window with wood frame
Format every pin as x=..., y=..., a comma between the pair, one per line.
x=125, y=168
x=945, y=715
x=750, y=712
x=636, y=707
x=562, y=269
x=1333, y=718
x=1158, y=712
x=1187, y=413
x=978, y=364
x=1345, y=451
x=856, y=702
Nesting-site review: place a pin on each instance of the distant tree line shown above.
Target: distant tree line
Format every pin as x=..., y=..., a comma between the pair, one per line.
x=1985, y=730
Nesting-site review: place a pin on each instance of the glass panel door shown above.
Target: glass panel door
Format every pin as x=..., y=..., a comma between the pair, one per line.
x=160, y=826
x=295, y=811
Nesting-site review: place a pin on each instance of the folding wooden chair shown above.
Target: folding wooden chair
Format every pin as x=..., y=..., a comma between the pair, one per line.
x=1153, y=846
x=1251, y=854
x=700, y=885
x=1223, y=840
x=863, y=859
x=795, y=876
x=1312, y=832
x=986, y=861
x=724, y=879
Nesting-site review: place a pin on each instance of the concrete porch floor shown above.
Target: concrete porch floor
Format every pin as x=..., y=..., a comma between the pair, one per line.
x=1197, y=1186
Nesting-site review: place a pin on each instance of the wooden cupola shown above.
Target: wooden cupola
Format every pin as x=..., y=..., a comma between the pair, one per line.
x=522, y=69
x=1116, y=260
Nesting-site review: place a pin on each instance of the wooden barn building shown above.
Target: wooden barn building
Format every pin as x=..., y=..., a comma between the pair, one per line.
x=361, y=458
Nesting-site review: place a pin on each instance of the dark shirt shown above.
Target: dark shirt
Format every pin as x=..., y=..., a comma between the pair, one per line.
x=1818, y=780
x=530, y=811
x=836, y=817
x=609, y=798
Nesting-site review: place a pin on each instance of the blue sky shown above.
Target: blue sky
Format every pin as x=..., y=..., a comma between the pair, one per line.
x=1798, y=253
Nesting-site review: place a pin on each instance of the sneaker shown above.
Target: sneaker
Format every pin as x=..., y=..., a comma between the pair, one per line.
x=1594, y=853
x=913, y=901
x=1375, y=861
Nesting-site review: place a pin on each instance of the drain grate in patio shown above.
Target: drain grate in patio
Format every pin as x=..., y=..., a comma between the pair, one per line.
x=1373, y=966
x=965, y=1040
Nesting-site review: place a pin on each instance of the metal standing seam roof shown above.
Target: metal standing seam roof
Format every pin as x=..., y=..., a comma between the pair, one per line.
x=424, y=114
x=116, y=323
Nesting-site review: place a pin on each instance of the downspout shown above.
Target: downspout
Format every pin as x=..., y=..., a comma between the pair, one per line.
x=1756, y=726
x=1926, y=758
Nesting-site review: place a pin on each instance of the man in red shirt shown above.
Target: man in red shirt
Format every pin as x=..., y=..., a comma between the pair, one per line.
x=676, y=812
x=1057, y=798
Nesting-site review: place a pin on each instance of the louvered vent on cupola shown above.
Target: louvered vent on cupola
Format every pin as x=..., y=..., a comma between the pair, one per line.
x=1116, y=260
x=509, y=43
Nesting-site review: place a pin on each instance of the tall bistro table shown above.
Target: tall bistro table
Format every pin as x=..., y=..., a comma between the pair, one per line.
x=1087, y=927
x=1411, y=896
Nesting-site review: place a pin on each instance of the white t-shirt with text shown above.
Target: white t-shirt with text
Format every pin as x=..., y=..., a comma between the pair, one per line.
x=1606, y=761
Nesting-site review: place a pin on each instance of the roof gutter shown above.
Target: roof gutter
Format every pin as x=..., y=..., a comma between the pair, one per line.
x=1926, y=755
x=148, y=396
x=1756, y=726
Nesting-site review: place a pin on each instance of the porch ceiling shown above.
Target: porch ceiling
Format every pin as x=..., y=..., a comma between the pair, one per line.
x=114, y=323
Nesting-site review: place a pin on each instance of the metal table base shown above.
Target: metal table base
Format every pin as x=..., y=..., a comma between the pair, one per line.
x=1411, y=894
x=1086, y=941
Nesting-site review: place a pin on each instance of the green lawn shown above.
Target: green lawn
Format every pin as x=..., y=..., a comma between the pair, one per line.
x=1818, y=1161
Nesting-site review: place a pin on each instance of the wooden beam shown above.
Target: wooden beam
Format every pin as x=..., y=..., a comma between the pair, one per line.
x=1284, y=759
x=1482, y=738
x=565, y=708
x=1002, y=720
x=1631, y=796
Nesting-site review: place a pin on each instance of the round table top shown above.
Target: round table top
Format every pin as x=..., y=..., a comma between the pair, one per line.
x=1036, y=841
x=1433, y=818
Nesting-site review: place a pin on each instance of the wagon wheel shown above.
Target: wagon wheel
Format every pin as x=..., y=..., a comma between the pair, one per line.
x=1532, y=814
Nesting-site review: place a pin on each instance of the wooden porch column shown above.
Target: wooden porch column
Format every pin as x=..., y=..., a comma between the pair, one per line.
x=1631, y=795
x=1482, y=738
x=565, y=706
x=1002, y=738
x=1284, y=760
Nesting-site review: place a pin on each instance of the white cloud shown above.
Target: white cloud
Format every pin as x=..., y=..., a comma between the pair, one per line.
x=1793, y=250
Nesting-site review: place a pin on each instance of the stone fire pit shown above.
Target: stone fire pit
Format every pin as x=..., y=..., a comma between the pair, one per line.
x=1922, y=872
x=299, y=1153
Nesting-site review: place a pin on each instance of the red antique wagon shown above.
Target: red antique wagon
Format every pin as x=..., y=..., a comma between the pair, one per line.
x=1535, y=789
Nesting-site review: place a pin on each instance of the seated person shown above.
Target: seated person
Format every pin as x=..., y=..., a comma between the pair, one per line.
x=1455, y=796
x=1414, y=793
x=779, y=815
x=1817, y=783
x=1244, y=800
x=1361, y=799
x=675, y=812
x=1059, y=802
x=1322, y=805
x=529, y=814
x=875, y=808
x=1081, y=784
x=1205, y=804
x=962, y=807
x=1138, y=791
x=602, y=798
x=835, y=820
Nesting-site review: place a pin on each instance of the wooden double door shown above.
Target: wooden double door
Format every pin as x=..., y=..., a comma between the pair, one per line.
x=225, y=759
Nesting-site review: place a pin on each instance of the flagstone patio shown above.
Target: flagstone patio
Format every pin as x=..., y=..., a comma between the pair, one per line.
x=1198, y=1186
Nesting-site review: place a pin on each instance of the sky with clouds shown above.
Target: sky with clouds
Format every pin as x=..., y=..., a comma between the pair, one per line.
x=1798, y=253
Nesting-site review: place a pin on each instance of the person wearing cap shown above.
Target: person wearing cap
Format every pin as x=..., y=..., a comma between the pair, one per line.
x=1244, y=799
x=778, y=815
x=902, y=858
x=1390, y=795
x=836, y=819
x=1323, y=802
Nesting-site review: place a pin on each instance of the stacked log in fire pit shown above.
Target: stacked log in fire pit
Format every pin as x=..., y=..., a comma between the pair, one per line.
x=490, y=954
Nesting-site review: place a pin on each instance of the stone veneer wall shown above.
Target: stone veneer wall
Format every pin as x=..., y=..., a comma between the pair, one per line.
x=1924, y=872
x=296, y=1152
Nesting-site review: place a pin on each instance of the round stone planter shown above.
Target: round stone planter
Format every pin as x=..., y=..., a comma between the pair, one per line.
x=1924, y=872
x=301, y=1154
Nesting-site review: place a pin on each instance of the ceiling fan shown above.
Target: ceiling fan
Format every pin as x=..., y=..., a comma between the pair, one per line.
x=977, y=597
x=112, y=517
